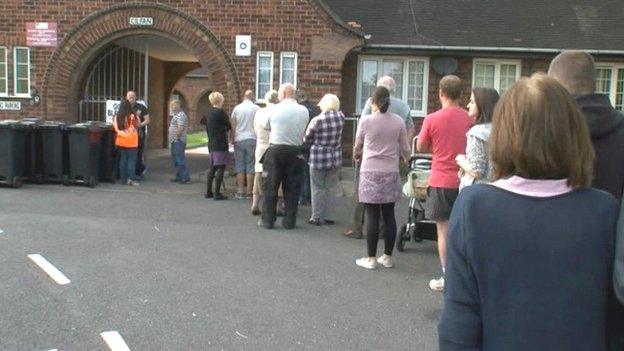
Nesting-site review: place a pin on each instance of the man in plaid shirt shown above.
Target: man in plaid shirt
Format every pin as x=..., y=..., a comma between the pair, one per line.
x=324, y=135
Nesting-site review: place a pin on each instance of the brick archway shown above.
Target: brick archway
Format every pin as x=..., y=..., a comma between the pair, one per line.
x=70, y=60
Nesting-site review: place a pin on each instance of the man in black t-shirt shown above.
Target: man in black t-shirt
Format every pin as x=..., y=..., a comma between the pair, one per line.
x=140, y=111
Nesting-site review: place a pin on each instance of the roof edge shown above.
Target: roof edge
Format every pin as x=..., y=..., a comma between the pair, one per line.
x=339, y=21
x=489, y=48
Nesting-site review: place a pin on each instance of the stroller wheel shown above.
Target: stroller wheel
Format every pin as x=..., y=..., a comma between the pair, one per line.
x=400, y=243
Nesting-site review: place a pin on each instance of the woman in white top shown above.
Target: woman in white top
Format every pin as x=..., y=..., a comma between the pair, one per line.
x=262, y=144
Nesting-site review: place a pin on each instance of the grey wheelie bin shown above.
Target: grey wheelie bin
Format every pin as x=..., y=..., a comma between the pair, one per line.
x=12, y=145
x=55, y=151
x=32, y=150
x=85, y=141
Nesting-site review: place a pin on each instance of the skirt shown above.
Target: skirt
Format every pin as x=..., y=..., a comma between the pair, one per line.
x=379, y=187
x=219, y=158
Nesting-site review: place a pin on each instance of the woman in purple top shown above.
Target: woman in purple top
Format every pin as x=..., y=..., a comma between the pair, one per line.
x=381, y=139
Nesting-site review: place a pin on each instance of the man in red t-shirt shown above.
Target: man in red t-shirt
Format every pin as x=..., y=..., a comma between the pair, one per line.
x=444, y=134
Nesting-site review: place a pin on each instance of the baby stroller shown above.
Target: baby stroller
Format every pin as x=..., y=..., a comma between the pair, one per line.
x=417, y=227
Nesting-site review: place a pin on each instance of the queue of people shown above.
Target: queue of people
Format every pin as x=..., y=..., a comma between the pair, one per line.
x=524, y=189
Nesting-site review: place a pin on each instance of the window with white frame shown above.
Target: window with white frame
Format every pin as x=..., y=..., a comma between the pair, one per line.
x=496, y=74
x=21, y=71
x=264, y=73
x=410, y=75
x=610, y=81
x=4, y=72
x=288, y=68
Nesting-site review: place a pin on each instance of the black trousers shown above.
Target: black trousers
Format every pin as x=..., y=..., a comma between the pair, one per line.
x=375, y=212
x=282, y=165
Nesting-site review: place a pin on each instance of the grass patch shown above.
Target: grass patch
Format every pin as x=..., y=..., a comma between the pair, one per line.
x=195, y=140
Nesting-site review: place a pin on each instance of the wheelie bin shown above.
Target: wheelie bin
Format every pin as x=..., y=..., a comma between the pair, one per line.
x=85, y=141
x=32, y=150
x=12, y=145
x=55, y=151
x=108, y=154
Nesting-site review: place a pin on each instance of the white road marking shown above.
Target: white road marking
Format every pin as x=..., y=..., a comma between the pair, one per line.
x=47, y=267
x=114, y=341
x=241, y=335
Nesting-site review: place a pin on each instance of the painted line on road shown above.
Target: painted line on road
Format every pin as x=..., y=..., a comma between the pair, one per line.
x=114, y=341
x=47, y=267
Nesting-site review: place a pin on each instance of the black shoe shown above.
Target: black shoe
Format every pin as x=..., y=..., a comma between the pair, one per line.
x=329, y=221
x=209, y=195
x=279, y=213
x=314, y=221
x=219, y=196
x=261, y=224
x=255, y=211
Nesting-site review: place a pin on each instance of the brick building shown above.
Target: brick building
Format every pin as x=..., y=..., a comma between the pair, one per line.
x=184, y=49
x=107, y=47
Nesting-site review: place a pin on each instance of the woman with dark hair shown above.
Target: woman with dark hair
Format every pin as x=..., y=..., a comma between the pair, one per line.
x=380, y=141
x=475, y=165
x=126, y=124
x=530, y=256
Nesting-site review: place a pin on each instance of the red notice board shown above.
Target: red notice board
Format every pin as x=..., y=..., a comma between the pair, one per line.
x=41, y=34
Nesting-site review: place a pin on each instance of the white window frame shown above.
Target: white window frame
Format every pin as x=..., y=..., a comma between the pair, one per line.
x=497, y=66
x=282, y=54
x=6, y=71
x=15, y=79
x=614, y=67
x=258, y=55
x=406, y=59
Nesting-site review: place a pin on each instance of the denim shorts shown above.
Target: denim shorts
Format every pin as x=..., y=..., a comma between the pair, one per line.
x=244, y=160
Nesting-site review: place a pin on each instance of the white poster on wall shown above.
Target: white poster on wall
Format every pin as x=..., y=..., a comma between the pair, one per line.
x=112, y=106
x=243, y=45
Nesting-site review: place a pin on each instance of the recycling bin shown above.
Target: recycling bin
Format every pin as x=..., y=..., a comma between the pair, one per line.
x=32, y=150
x=55, y=152
x=85, y=144
x=12, y=153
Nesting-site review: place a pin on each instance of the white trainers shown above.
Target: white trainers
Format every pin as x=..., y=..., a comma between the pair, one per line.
x=385, y=261
x=132, y=182
x=367, y=263
x=437, y=284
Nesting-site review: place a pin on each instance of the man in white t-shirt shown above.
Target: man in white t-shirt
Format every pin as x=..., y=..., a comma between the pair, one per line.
x=244, y=138
x=283, y=160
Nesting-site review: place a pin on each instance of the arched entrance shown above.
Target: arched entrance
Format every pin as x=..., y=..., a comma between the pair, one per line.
x=70, y=64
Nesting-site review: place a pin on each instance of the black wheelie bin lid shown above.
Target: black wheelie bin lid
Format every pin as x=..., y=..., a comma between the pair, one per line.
x=12, y=124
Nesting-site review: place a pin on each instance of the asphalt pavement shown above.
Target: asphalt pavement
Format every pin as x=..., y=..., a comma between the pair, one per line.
x=169, y=270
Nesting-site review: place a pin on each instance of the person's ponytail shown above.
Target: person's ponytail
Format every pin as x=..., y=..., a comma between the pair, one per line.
x=381, y=98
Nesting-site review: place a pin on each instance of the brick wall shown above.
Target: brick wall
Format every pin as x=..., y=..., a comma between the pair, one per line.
x=209, y=31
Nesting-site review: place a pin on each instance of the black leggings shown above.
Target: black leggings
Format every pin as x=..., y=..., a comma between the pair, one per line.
x=371, y=220
x=215, y=172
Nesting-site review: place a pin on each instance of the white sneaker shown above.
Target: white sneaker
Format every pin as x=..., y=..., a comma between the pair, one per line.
x=437, y=284
x=385, y=261
x=365, y=262
x=132, y=182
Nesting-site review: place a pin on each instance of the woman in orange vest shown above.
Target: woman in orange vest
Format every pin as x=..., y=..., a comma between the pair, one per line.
x=127, y=142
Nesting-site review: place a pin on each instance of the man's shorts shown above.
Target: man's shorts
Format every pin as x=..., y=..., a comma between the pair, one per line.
x=440, y=203
x=244, y=153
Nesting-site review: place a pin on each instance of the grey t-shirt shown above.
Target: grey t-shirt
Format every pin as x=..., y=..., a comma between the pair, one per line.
x=287, y=122
x=243, y=114
x=398, y=107
x=179, y=120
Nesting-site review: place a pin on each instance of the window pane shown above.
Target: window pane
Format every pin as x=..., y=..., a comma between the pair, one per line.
x=484, y=75
x=262, y=90
x=507, y=77
x=415, y=85
x=3, y=86
x=603, y=81
x=619, y=92
x=394, y=69
x=22, y=87
x=288, y=62
x=264, y=76
x=369, y=80
x=288, y=77
x=264, y=62
x=3, y=70
x=288, y=69
x=22, y=55
x=22, y=71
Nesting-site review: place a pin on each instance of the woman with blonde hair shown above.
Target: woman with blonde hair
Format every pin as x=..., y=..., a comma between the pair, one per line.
x=530, y=255
x=217, y=127
x=324, y=137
